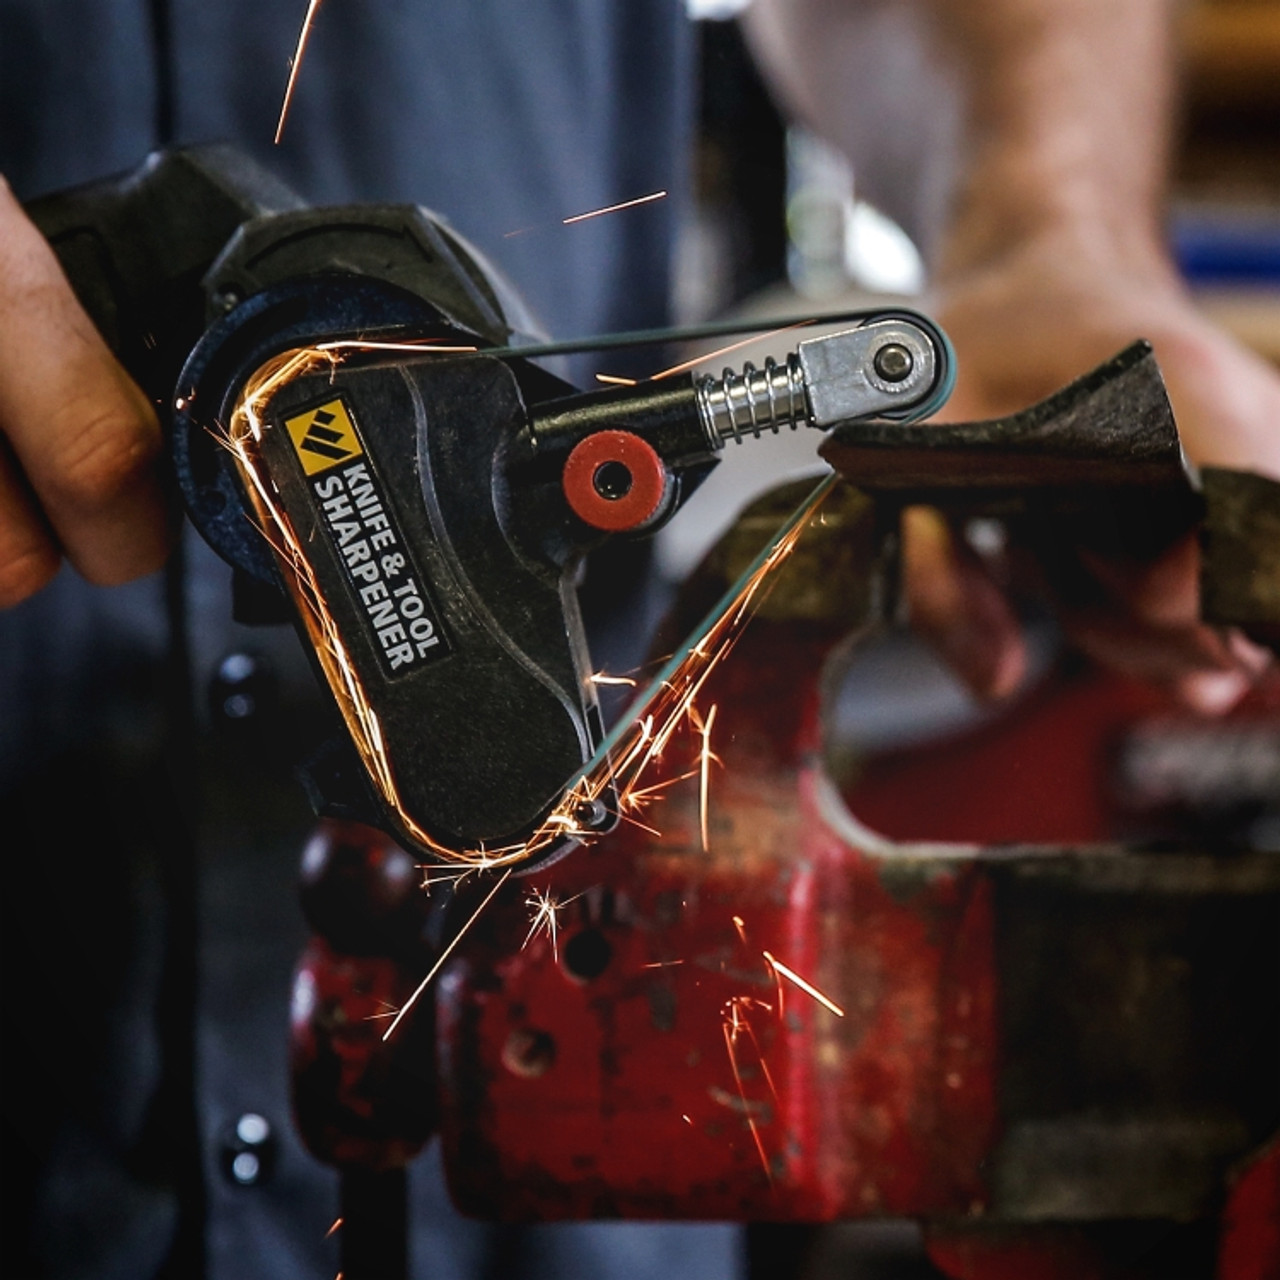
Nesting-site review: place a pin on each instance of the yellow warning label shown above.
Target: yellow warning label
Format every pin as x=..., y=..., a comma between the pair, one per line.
x=324, y=436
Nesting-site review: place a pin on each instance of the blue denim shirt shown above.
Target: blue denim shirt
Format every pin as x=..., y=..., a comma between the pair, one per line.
x=505, y=116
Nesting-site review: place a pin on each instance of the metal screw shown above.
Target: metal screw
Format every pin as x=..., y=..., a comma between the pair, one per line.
x=893, y=362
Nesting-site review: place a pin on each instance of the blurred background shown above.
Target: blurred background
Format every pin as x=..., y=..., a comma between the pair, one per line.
x=777, y=207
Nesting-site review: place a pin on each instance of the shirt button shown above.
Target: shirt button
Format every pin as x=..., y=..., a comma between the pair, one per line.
x=249, y=1151
x=242, y=689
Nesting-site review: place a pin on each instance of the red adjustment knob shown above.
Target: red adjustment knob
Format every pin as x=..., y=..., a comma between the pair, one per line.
x=614, y=481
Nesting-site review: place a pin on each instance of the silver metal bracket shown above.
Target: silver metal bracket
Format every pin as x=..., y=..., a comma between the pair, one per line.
x=885, y=367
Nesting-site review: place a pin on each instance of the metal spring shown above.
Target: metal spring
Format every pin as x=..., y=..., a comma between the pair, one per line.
x=753, y=401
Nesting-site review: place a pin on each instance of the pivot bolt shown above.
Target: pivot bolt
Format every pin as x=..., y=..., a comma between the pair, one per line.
x=893, y=362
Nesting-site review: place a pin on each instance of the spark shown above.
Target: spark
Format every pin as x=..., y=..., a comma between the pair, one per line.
x=705, y=756
x=671, y=698
x=546, y=908
x=601, y=678
x=337, y=1224
x=295, y=65
x=685, y=1118
x=388, y=1011
x=614, y=208
x=685, y=365
x=427, y=345
x=781, y=990
x=733, y=1026
x=643, y=826
x=638, y=797
x=808, y=988
x=614, y=380
x=743, y=1003
x=444, y=955
x=433, y=875
x=662, y=964
x=740, y=925
x=725, y=351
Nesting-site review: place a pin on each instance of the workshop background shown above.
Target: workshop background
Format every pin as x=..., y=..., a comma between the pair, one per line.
x=1081, y=758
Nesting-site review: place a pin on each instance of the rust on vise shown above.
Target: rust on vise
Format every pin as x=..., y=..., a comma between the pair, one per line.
x=631, y=1105
x=1028, y=1034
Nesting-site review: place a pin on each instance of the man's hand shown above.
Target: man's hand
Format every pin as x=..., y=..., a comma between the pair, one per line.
x=1025, y=324
x=78, y=440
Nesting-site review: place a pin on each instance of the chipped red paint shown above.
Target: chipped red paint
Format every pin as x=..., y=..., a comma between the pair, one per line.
x=886, y=1110
x=592, y=1079
x=609, y=1092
